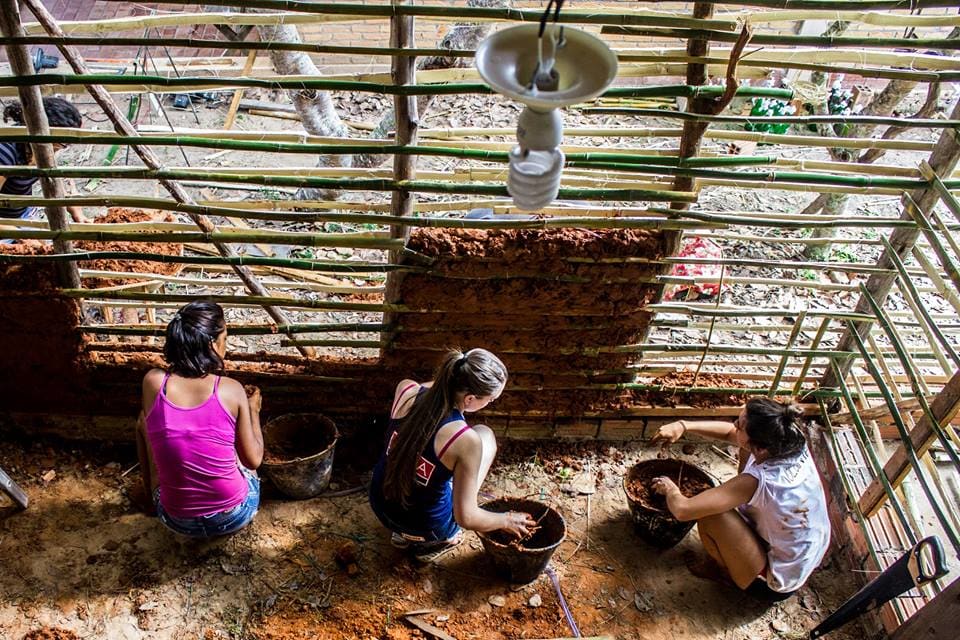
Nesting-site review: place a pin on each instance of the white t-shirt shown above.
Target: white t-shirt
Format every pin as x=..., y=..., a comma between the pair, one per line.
x=789, y=511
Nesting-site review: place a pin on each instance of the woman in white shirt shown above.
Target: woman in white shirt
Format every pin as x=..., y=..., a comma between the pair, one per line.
x=767, y=528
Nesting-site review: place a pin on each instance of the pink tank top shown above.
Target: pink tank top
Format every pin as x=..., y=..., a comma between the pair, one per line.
x=195, y=453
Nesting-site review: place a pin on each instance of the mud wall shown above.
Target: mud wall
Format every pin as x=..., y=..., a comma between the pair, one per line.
x=552, y=304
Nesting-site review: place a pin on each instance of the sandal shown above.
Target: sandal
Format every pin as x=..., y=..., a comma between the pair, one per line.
x=433, y=551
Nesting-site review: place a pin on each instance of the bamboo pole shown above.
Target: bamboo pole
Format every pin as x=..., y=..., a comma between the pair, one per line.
x=124, y=127
x=230, y=283
x=293, y=303
x=160, y=83
x=35, y=116
x=940, y=44
x=943, y=288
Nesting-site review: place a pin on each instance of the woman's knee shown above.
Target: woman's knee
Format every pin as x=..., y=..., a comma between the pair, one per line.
x=487, y=437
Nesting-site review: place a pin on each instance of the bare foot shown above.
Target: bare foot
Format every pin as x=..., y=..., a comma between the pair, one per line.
x=705, y=567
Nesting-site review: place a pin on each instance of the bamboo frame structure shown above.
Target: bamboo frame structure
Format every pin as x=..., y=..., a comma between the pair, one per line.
x=642, y=157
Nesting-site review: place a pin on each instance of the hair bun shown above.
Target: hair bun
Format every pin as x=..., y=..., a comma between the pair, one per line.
x=13, y=111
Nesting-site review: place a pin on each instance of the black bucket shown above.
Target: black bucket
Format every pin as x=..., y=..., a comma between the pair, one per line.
x=653, y=521
x=298, y=453
x=522, y=561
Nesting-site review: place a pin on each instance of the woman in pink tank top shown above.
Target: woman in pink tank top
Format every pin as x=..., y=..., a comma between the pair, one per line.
x=199, y=436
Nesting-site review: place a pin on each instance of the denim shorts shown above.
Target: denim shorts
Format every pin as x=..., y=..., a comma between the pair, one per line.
x=31, y=213
x=216, y=524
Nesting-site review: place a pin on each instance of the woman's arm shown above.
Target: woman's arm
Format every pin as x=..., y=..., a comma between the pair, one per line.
x=249, y=436
x=466, y=511
x=729, y=495
x=716, y=429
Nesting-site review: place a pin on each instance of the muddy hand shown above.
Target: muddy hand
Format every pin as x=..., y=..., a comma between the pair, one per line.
x=519, y=523
x=663, y=485
x=253, y=397
x=669, y=433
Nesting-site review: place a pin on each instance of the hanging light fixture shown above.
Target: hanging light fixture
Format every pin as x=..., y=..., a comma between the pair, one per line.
x=546, y=67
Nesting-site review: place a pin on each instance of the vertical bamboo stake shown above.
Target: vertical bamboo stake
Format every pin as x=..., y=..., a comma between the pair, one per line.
x=238, y=94
x=815, y=343
x=36, y=120
x=123, y=127
x=797, y=328
x=403, y=70
x=931, y=272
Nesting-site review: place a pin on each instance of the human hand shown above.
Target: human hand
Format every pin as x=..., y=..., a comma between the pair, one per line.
x=519, y=523
x=669, y=433
x=664, y=486
x=254, y=399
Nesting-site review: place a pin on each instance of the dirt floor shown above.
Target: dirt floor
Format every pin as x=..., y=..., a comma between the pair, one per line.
x=83, y=562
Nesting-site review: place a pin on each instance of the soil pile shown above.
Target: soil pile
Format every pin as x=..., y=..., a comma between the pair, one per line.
x=51, y=633
x=640, y=489
x=550, y=303
x=670, y=395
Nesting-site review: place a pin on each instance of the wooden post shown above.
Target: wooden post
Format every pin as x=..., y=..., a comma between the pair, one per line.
x=943, y=161
x=937, y=620
x=403, y=70
x=238, y=94
x=123, y=127
x=36, y=120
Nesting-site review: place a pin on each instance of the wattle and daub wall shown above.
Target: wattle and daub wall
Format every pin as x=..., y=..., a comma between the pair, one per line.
x=553, y=304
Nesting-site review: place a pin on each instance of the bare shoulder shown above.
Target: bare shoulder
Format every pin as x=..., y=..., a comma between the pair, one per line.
x=232, y=388
x=404, y=386
x=153, y=379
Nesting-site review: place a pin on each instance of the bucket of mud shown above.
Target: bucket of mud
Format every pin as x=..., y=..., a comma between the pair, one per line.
x=653, y=521
x=521, y=561
x=298, y=453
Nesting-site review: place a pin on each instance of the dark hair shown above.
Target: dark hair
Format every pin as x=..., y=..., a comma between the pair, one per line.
x=190, y=336
x=774, y=426
x=477, y=372
x=60, y=113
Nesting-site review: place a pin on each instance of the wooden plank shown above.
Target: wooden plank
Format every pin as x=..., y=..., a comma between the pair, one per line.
x=577, y=430
x=939, y=619
x=944, y=408
x=622, y=429
x=238, y=94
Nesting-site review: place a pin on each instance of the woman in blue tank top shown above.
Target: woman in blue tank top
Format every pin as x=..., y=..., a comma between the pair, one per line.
x=425, y=486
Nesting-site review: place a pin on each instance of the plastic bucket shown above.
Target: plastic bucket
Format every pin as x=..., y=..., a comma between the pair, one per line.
x=653, y=521
x=298, y=453
x=522, y=561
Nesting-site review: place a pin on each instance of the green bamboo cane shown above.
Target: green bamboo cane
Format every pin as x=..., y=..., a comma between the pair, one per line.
x=912, y=376
x=303, y=265
x=182, y=237
x=138, y=173
x=906, y=442
x=913, y=123
x=534, y=15
x=875, y=465
x=674, y=220
x=351, y=184
x=349, y=148
x=851, y=495
x=797, y=328
x=350, y=344
x=910, y=290
x=321, y=84
x=468, y=13
x=824, y=324
x=942, y=44
x=238, y=330
x=319, y=305
x=920, y=217
x=710, y=310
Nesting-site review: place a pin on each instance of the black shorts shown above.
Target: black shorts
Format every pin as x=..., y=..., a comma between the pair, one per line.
x=760, y=590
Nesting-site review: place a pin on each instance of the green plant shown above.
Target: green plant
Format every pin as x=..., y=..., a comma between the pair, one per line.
x=809, y=274
x=767, y=107
x=841, y=255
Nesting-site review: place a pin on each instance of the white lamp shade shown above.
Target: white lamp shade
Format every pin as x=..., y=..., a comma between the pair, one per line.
x=507, y=60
